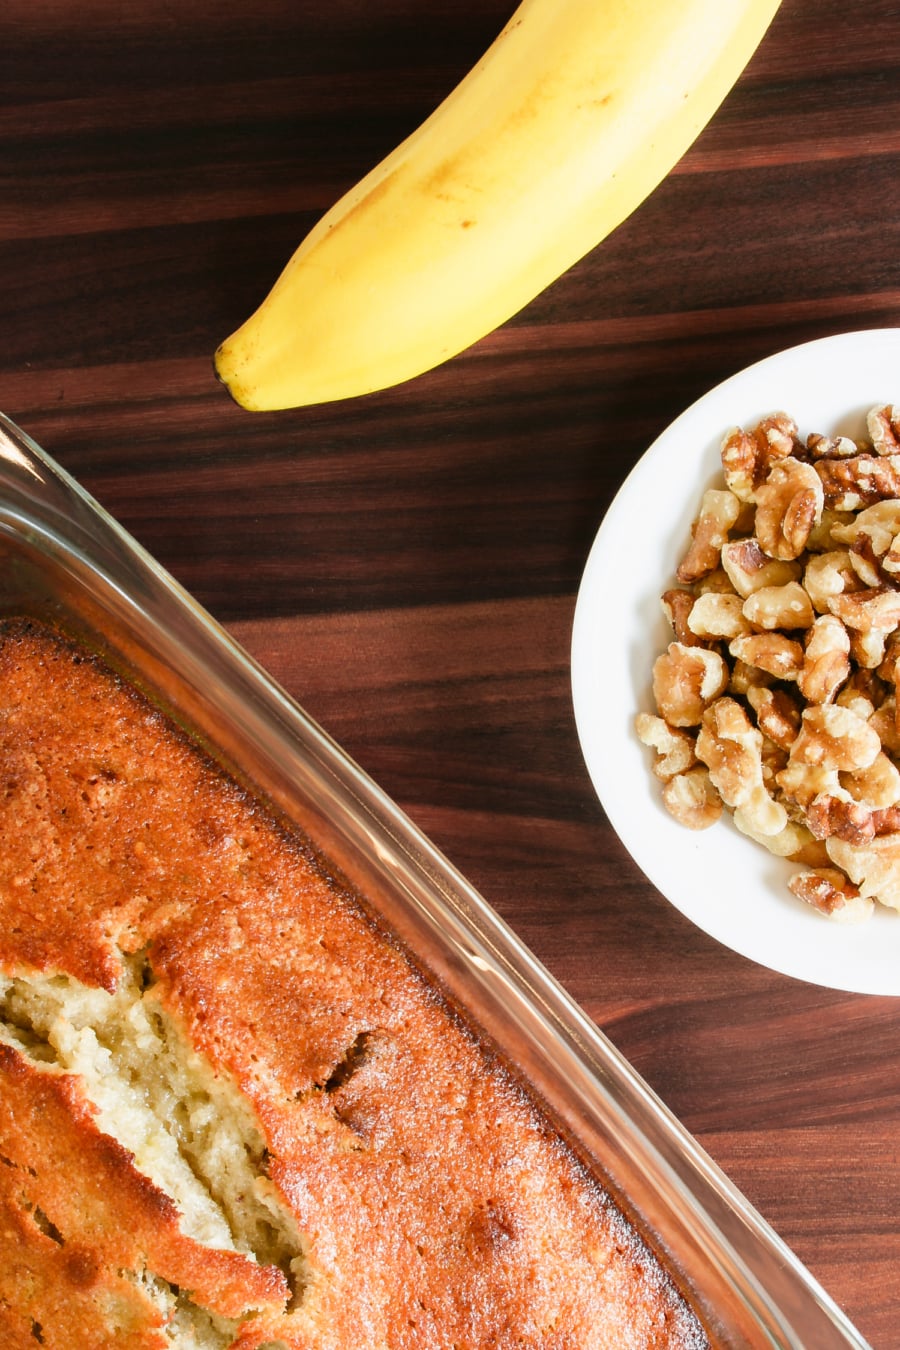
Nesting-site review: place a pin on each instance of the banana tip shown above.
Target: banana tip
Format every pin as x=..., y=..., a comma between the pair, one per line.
x=223, y=380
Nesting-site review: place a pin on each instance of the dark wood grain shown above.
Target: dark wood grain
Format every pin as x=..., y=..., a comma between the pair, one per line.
x=407, y=564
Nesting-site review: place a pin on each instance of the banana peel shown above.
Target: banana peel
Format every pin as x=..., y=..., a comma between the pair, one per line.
x=572, y=117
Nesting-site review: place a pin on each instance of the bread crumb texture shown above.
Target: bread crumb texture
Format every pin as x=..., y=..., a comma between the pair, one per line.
x=231, y=1113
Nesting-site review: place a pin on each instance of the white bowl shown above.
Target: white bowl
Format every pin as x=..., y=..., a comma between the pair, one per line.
x=729, y=886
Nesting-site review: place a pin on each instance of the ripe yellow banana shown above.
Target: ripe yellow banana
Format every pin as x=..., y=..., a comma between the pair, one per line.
x=572, y=117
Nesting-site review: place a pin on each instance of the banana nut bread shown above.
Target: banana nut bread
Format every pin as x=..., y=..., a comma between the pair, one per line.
x=231, y=1111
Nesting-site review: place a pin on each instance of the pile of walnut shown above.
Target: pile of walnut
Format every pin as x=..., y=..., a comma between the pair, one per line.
x=778, y=698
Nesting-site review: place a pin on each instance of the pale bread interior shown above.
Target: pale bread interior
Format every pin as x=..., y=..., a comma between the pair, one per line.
x=190, y=1130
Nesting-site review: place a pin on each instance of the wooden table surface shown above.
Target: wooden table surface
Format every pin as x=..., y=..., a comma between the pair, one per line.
x=406, y=564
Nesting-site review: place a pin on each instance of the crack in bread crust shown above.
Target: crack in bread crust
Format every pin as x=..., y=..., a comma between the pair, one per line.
x=188, y=1131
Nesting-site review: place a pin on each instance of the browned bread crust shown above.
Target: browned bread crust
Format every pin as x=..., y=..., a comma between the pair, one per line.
x=432, y=1205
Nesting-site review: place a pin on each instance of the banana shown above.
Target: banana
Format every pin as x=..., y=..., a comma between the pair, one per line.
x=569, y=121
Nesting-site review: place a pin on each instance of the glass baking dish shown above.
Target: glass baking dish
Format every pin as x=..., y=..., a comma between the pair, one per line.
x=64, y=560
